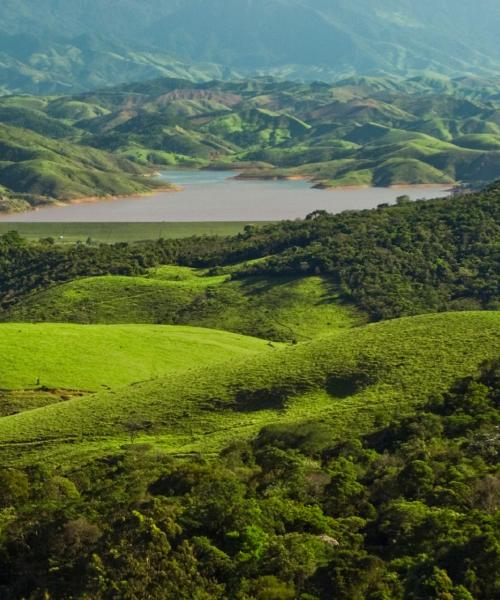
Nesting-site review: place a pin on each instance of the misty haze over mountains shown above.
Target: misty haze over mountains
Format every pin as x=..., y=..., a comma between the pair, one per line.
x=54, y=46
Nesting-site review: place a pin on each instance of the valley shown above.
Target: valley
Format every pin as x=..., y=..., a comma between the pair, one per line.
x=249, y=300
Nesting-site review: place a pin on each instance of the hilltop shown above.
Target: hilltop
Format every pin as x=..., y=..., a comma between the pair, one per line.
x=64, y=356
x=279, y=308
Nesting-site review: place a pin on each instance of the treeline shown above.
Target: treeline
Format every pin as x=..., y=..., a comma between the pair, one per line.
x=409, y=512
x=404, y=260
x=392, y=261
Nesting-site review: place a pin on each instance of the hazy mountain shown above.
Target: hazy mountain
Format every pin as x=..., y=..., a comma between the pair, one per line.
x=52, y=45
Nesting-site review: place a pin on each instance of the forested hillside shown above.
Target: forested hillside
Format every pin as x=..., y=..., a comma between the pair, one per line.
x=296, y=512
x=151, y=445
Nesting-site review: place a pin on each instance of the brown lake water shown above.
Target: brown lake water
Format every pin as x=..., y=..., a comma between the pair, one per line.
x=217, y=196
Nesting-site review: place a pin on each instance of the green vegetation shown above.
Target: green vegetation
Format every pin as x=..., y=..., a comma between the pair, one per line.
x=36, y=170
x=265, y=416
x=95, y=357
x=348, y=379
x=296, y=512
x=299, y=410
x=281, y=308
x=356, y=132
x=121, y=232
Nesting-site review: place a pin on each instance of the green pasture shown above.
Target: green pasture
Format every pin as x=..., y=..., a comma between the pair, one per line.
x=121, y=232
x=277, y=308
x=96, y=357
x=356, y=379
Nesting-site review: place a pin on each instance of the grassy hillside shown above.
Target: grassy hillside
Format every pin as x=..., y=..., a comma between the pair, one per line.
x=349, y=379
x=356, y=132
x=286, y=514
x=90, y=358
x=35, y=170
x=286, y=308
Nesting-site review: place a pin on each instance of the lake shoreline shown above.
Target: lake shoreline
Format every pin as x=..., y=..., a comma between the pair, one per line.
x=218, y=197
x=396, y=186
x=138, y=196
x=249, y=177
x=58, y=203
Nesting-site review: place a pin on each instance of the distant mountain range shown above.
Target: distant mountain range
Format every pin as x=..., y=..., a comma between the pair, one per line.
x=54, y=46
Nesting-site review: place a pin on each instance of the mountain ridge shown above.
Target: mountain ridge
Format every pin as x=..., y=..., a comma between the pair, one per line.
x=115, y=42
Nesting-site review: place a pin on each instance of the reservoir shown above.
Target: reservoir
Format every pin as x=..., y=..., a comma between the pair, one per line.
x=217, y=196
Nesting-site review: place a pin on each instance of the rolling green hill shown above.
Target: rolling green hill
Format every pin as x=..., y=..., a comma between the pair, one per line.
x=36, y=170
x=94, y=357
x=348, y=379
x=283, y=309
x=374, y=132
x=49, y=363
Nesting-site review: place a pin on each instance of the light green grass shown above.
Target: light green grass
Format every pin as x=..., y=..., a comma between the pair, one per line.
x=405, y=360
x=121, y=232
x=185, y=276
x=280, y=308
x=77, y=357
x=110, y=299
